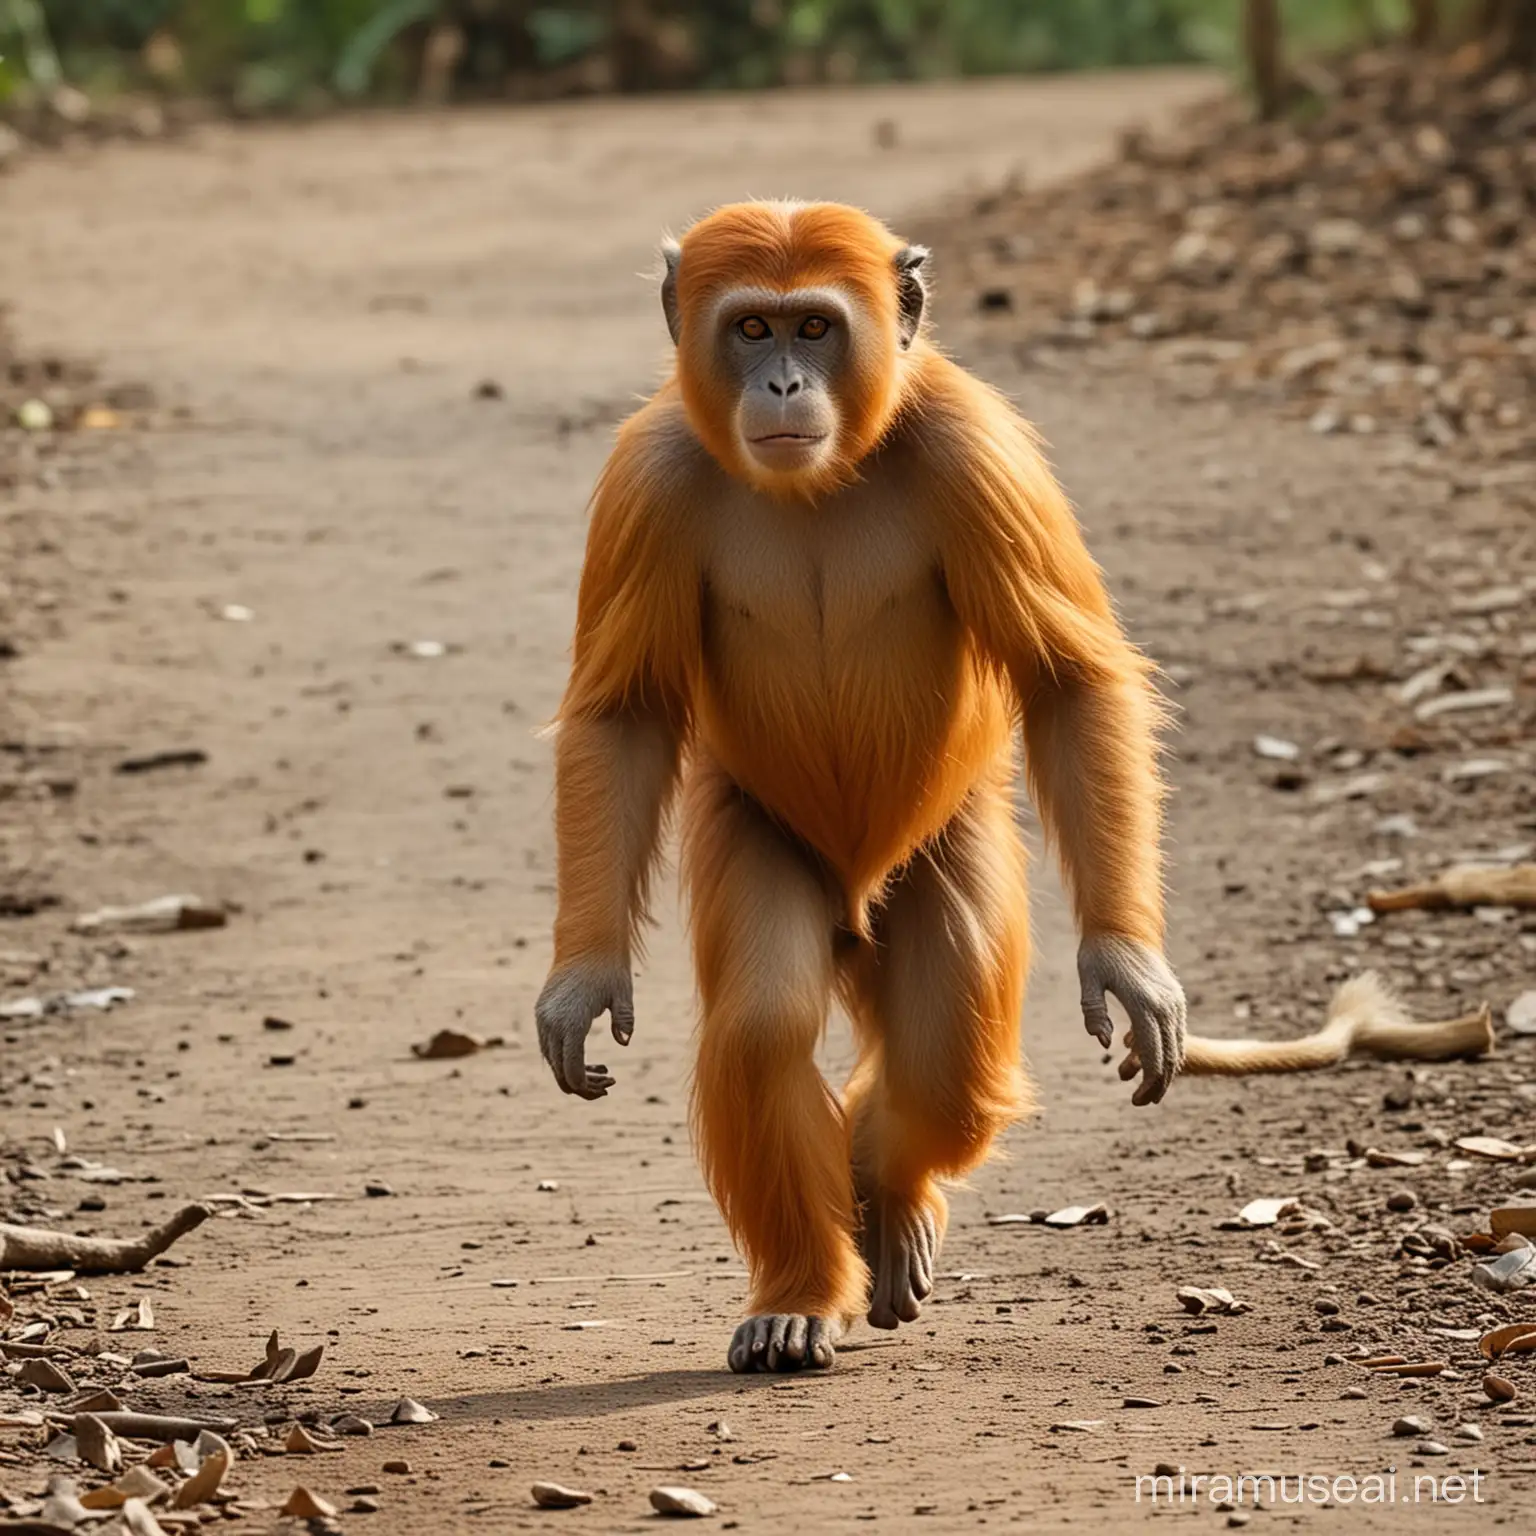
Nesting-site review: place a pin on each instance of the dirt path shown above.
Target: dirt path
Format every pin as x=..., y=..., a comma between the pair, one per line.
x=325, y=301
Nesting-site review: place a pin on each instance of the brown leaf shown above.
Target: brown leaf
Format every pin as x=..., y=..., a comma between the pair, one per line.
x=448, y=1045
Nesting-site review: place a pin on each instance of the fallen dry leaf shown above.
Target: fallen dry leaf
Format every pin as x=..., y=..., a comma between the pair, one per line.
x=1492, y=1147
x=448, y=1045
x=1266, y=1212
x=1512, y=1338
x=203, y=1483
x=1079, y=1216
x=1202, y=1299
x=1519, y=1219
x=135, y=1319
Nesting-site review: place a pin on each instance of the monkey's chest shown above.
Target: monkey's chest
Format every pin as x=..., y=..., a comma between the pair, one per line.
x=842, y=693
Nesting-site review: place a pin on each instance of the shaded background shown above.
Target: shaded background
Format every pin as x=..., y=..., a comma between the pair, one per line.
x=263, y=55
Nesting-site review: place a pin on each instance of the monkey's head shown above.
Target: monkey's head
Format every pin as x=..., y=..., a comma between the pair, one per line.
x=793, y=324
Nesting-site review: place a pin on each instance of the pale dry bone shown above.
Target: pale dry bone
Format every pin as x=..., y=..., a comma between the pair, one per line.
x=1365, y=1018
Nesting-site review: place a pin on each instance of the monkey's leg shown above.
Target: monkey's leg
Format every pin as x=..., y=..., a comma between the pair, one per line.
x=770, y=1133
x=938, y=998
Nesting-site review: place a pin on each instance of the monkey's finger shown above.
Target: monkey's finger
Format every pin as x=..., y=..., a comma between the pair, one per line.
x=621, y=1014
x=573, y=1058
x=797, y=1339
x=1149, y=1046
x=1096, y=1014
x=778, y=1339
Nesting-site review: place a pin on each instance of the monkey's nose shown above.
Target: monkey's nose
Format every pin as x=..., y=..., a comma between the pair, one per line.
x=784, y=388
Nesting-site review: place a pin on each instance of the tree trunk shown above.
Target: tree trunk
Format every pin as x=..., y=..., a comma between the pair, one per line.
x=1425, y=26
x=1508, y=29
x=1266, y=65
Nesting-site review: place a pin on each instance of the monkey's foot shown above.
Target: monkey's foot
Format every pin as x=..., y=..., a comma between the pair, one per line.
x=783, y=1341
x=901, y=1247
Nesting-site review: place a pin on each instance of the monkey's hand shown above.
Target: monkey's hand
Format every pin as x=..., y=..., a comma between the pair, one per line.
x=1145, y=984
x=572, y=999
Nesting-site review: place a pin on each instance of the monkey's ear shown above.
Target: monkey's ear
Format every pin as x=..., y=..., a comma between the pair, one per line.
x=911, y=290
x=672, y=255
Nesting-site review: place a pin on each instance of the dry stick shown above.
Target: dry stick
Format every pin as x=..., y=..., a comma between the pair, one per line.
x=1464, y=885
x=38, y=1248
x=151, y=1426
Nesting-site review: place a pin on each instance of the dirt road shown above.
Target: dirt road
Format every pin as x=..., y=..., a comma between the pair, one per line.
x=549, y=1276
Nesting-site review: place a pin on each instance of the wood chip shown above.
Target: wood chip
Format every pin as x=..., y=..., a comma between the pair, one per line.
x=205, y=1482
x=97, y=1444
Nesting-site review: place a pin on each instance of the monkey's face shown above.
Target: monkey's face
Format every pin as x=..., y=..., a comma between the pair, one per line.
x=792, y=323
x=783, y=357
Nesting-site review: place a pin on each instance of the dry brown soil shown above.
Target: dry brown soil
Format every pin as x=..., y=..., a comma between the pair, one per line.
x=323, y=301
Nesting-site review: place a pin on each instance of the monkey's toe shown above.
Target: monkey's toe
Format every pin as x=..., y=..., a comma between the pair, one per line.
x=902, y=1252
x=782, y=1341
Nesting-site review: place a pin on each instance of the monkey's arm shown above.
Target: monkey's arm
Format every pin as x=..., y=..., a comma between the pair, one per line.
x=1024, y=583
x=621, y=727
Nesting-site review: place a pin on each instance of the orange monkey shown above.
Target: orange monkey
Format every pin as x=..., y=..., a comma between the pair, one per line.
x=827, y=574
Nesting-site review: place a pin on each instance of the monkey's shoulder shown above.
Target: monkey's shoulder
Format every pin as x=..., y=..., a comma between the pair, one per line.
x=954, y=423
x=664, y=451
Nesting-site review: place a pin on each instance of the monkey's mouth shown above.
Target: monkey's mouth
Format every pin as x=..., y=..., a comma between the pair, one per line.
x=789, y=437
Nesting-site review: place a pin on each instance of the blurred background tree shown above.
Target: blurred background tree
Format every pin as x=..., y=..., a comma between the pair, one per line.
x=262, y=55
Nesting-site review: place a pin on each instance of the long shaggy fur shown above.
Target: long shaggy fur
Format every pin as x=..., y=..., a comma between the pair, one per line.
x=835, y=671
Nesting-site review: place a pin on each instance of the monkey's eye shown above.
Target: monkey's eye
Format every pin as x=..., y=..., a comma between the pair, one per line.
x=815, y=327
x=753, y=328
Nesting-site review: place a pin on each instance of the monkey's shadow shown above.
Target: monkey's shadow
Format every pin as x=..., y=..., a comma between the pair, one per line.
x=600, y=1399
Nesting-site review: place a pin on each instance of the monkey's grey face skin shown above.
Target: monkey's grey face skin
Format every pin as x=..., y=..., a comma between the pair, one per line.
x=785, y=354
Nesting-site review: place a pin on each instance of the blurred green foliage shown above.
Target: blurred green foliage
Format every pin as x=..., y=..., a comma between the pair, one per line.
x=266, y=54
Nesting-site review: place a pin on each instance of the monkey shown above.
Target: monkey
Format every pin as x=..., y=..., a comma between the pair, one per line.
x=1365, y=1017
x=828, y=573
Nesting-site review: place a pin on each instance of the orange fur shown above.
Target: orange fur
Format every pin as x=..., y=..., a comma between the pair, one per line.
x=843, y=662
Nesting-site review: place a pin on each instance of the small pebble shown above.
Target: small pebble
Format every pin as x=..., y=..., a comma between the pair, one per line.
x=1431, y=1448
x=1410, y=1426
x=1468, y=1432
x=1402, y=1200
x=1498, y=1389
x=399, y=1468
x=681, y=1501
x=558, y=1496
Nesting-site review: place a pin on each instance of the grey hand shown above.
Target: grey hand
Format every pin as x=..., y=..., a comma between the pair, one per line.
x=572, y=998
x=1144, y=982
